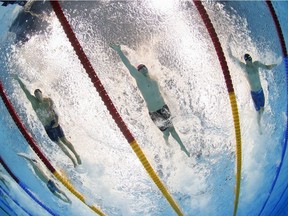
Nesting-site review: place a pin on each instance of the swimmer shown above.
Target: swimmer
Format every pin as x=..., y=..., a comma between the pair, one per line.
x=251, y=70
x=158, y=110
x=21, y=3
x=49, y=181
x=44, y=108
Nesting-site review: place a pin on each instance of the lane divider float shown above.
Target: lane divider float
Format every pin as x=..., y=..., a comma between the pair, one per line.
x=284, y=146
x=8, y=208
x=211, y=30
x=32, y=143
x=4, y=192
x=109, y=104
x=25, y=188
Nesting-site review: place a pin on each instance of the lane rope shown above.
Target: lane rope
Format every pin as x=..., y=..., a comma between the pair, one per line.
x=109, y=104
x=15, y=201
x=6, y=205
x=284, y=53
x=25, y=188
x=211, y=30
x=32, y=143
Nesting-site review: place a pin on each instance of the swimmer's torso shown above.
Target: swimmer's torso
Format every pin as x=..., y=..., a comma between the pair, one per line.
x=252, y=74
x=150, y=91
x=45, y=111
x=39, y=170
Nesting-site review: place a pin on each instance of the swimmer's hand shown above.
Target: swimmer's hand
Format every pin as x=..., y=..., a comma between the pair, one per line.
x=228, y=44
x=116, y=47
x=271, y=66
x=279, y=61
x=14, y=76
x=53, y=124
x=230, y=38
x=229, y=51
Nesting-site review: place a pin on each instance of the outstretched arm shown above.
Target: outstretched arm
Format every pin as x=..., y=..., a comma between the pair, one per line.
x=236, y=60
x=264, y=66
x=125, y=60
x=52, y=110
x=30, y=97
x=56, y=120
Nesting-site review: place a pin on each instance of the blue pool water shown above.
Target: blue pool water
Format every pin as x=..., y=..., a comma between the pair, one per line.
x=172, y=40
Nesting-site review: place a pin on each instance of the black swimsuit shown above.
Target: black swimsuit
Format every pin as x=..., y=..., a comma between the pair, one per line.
x=54, y=133
x=52, y=186
x=162, y=118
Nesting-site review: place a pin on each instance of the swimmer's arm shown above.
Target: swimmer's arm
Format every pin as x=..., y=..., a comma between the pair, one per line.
x=29, y=96
x=264, y=66
x=133, y=71
x=234, y=59
x=56, y=120
x=56, y=117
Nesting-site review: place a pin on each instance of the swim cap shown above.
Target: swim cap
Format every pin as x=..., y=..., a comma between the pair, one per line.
x=37, y=90
x=139, y=67
x=247, y=57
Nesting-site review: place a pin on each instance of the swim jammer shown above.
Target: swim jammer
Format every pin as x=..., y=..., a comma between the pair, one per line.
x=54, y=133
x=258, y=99
x=162, y=118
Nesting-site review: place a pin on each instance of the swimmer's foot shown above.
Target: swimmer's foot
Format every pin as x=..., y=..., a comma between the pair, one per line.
x=78, y=159
x=186, y=152
x=167, y=142
x=260, y=130
x=74, y=163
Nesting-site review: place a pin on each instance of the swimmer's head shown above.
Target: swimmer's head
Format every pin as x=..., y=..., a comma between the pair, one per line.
x=142, y=68
x=38, y=94
x=247, y=57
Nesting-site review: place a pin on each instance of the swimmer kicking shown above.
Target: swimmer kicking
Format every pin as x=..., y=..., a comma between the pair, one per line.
x=251, y=70
x=49, y=182
x=44, y=108
x=158, y=110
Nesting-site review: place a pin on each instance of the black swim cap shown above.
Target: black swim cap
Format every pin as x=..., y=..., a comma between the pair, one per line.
x=37, y=90
x=247, y=57
x=139, y=67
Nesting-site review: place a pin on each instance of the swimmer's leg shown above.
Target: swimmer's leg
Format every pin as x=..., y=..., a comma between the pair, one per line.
x=66, y=197
x=71, y=147
x=63, y=148
x=177, y=138
x=259, y=116
x=166, y=134
x=59, y=193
